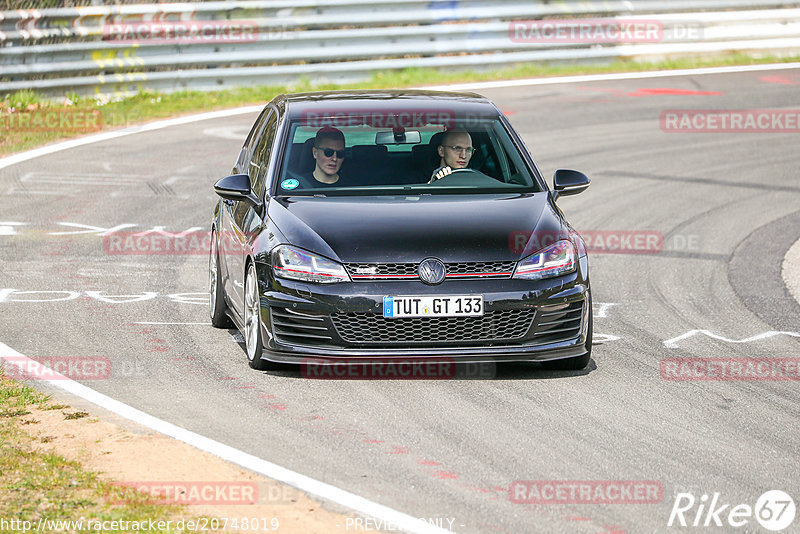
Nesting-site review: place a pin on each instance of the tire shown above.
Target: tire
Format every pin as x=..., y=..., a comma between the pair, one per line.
x=578, y=362
x=216, y=296
x=252, y=321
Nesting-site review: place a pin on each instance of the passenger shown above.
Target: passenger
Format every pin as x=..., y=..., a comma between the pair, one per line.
x=455, y=151
x=328, y=152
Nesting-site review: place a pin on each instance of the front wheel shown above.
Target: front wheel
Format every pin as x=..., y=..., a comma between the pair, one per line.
x=216, y=300
x=252, y=321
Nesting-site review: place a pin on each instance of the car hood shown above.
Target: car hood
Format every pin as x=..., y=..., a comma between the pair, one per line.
x=497, y=227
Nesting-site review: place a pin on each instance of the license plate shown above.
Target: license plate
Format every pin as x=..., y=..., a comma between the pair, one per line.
x=451, y=306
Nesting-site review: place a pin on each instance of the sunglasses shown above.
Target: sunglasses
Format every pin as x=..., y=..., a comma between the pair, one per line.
x=329, y=152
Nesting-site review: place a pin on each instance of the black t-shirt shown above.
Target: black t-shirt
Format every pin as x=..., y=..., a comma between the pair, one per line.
x=310, y=182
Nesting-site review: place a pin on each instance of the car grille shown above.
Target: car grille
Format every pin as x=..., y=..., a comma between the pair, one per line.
x=560, y=322
x=296, y=328
x=360, y=272
x=493, y=326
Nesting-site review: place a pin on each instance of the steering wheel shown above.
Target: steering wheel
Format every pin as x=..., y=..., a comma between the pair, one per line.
x=446, y=180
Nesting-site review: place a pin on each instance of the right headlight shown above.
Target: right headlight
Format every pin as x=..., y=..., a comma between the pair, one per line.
x=556, y=260
x=298, y=264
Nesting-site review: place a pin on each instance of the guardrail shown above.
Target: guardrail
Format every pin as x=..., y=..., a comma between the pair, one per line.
x=212, y=45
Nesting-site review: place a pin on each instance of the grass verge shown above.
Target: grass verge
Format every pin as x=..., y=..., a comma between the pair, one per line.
x=28, y=120
x=41, y=489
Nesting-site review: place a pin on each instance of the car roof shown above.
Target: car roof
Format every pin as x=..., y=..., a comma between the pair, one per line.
x=385, y=101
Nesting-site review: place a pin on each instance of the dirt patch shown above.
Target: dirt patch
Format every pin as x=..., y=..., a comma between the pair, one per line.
x=176, y=472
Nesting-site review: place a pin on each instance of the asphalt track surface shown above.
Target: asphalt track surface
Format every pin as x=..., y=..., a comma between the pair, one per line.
x=727, y=205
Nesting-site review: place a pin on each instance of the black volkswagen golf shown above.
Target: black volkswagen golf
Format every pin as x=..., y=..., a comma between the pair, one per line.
x=397, y=225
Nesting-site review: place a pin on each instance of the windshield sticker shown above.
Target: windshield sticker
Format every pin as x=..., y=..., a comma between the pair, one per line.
x=291, y=183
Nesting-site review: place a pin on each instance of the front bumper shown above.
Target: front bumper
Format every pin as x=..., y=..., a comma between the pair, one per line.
x=524, y=321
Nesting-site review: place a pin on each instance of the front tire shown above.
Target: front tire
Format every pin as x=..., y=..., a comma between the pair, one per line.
x=252, y=321
x=216, y=301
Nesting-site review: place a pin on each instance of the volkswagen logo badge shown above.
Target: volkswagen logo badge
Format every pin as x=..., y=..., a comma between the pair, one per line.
x=431, y=271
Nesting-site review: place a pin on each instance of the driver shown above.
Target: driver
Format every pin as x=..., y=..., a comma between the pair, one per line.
x=328, y=153
x=454, y=151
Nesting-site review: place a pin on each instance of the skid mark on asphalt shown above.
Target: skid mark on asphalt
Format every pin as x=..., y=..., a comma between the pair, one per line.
x=71, y=185
x=661, y=91
x=431, y=468
x=650, y=91
x=780, y=79
x=320, y=424
x=157, y=345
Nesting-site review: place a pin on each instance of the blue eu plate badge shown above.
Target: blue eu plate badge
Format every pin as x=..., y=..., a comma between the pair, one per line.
x=388, y=306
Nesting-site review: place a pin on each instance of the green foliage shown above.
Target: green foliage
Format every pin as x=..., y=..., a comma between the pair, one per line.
x=149, y=105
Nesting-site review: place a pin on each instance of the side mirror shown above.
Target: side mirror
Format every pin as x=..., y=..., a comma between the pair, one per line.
x=237, y=187
x=567, y=182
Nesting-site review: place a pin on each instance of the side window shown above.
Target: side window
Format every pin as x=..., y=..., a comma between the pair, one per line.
x=253, y=135
x=261, y=153
x=247, y=147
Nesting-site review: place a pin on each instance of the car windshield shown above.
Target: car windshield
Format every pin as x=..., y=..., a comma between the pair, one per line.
x=394, y=153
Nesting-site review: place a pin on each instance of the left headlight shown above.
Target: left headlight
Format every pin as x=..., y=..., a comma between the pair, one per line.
x=555, y=260
x=298, y=264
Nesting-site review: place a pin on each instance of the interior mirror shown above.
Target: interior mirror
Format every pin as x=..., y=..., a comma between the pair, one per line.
x=398, y=137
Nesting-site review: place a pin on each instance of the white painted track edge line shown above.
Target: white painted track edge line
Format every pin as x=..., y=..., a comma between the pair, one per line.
x=302, y=482
x=157, y=125
x=113, y=134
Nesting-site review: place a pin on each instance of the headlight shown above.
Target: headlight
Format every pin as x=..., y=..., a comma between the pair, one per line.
x=298, y=264
x=555, y=260
x=579, y=243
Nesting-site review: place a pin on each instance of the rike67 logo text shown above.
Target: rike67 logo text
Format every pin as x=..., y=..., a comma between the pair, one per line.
x=774, y=510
